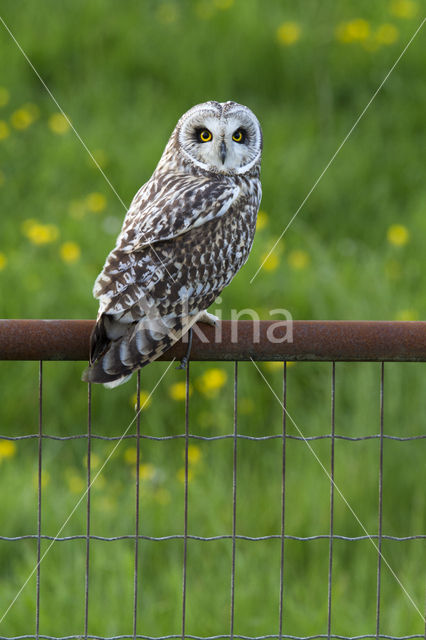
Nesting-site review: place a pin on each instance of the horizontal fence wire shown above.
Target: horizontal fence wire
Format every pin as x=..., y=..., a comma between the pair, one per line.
x=311, y=341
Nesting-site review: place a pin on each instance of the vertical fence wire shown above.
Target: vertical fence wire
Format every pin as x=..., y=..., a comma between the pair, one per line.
x=185, y=512
x=89, y=480
x=234, y=498
x=330, y=545
x=380, y=509
x=284, y=435
x=39, y=483
x=137, y=505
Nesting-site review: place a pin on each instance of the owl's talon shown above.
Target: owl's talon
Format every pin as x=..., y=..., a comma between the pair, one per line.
x=208, y=318
x=184, y=362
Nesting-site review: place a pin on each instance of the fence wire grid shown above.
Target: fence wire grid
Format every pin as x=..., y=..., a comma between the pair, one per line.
x=138, y=537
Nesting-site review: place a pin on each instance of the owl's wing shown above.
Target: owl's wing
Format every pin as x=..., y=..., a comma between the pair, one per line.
x=179, y=205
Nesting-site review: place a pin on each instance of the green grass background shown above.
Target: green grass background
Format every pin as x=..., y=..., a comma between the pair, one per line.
x=124, y=72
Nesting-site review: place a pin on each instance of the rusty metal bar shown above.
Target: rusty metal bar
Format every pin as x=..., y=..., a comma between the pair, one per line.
x=242, y=340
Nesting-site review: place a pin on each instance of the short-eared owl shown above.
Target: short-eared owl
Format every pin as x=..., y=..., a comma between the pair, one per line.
x=188, y=231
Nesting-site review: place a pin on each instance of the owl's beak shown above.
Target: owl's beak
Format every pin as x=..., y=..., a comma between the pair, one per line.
x=223, y=151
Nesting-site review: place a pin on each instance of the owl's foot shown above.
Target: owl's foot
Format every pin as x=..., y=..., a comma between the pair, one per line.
x=208, y=318
x=185, y=359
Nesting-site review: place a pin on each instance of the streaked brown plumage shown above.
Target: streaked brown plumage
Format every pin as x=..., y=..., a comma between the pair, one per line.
x=188, y=231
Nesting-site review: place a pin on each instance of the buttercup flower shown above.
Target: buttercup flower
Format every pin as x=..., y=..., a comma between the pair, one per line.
x=58, y=123
x=70, y=252
x=177, y=390
x=211, y=381
x=398, y=235
x=298, y=259
x=386, y=34
x=353, y=31
x=96, y=202
x=270, y=262
x=7, y=449
x=3, y=261
x=4, y=130
x=130, y=455
x=404, y=8
x=146, y=471
x=407, y=315
x=38, y=233
x=181, y=475
x=22, y=118
x=194, y=453
x=262, y=220
x=145, y=400
x=288, y=33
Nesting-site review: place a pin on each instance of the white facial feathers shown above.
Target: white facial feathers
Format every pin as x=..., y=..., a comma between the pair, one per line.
x=233, y=137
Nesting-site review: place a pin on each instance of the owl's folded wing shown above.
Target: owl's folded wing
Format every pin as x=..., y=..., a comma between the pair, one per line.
x=179, y=205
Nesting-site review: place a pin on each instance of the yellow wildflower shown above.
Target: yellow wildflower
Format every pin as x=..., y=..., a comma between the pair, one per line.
x=95, y=461
x=162, y=496
x=167, y=13
x=353, y=31
x=177, y=390
x=386, y=34
x=4, y=96
x=407, y=315
x=96, y=202
x=38, y=233
x=22, y=118
x=146, y=471
x=77, y=209
x=3, y=261
x=404, y=8
x=288, y=33
x=4, y=130
x=145, y=400
x=130, y=455
x=7, y=449
x=398, y=235
x=45, y=479
x=270, y=261
x=70, y=252
x=211, y=381
x=277, y=365
x=181, y=475
x=262, y=220
x=223, y=4
x=58, y=123
x=75, y=482
x=298, y=259
x=194, y=453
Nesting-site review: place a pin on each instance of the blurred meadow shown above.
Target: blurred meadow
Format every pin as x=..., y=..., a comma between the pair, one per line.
x=124, y=73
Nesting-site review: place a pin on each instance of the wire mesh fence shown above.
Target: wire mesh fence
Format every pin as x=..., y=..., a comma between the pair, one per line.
x=242, y=573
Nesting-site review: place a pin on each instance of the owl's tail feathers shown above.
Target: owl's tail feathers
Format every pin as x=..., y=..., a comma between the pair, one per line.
x=113, y=360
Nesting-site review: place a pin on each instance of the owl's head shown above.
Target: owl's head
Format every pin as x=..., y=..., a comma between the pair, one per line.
x=223, y=137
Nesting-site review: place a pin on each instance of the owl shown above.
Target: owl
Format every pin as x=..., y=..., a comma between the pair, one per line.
x=188, y=231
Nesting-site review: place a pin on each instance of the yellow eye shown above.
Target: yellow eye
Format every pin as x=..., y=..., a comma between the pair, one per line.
x=205, y=135
x=238, y=136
